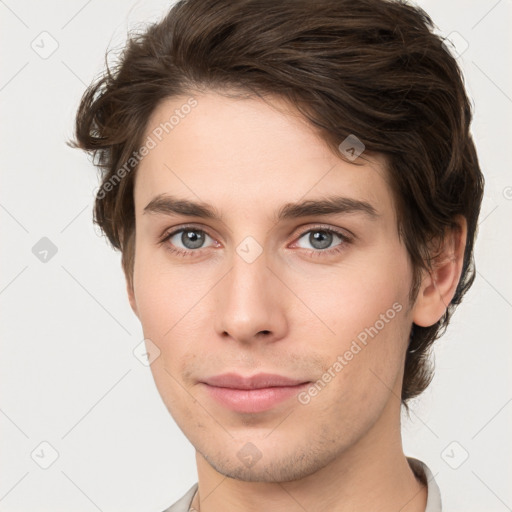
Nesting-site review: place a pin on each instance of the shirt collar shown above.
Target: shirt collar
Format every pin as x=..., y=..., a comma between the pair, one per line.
x=420, y=469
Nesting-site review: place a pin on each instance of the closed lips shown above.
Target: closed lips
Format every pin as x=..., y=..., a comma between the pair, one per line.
x=258, y=381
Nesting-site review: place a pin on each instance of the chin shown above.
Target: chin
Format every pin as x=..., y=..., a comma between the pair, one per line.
x=281, y=468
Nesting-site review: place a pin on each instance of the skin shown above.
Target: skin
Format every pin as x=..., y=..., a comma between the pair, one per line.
x=292, y=311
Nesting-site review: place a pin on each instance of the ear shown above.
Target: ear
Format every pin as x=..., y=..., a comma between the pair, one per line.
x=127, y=264
x=131, y=295
x=440, y=283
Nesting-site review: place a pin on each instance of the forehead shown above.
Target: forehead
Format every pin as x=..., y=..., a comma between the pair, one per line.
x=248, y=151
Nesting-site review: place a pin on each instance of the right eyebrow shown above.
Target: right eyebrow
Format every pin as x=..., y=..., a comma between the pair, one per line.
x=169, y=205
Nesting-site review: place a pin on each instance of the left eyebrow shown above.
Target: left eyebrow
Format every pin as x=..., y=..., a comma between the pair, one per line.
x=327, y=206
x=169, y=205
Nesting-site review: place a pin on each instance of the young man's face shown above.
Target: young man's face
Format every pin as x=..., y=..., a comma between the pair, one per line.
x=253, y=294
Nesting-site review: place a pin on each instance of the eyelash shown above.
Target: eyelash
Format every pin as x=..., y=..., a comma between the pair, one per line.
x=312, y=252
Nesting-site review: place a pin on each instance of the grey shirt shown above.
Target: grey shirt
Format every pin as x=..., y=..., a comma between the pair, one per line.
x=420, y=469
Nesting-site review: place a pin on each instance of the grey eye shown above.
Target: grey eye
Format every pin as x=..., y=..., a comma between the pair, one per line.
x=320, y=238
x=189, y=238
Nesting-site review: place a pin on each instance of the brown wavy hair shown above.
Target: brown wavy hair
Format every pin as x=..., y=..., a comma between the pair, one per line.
x=371, y=68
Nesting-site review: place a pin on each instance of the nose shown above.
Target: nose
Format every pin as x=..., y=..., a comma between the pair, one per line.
x=251, y=303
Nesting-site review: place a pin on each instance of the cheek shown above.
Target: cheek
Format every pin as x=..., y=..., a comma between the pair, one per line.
x=171, y=301
x=351, y=297
x=165, y=301
x=161, y=291
x=365, y=306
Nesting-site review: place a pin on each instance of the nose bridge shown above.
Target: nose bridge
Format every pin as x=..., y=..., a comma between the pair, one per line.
x=249, y=299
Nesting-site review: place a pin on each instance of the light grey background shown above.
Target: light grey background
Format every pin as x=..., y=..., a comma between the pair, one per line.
x=68, y=374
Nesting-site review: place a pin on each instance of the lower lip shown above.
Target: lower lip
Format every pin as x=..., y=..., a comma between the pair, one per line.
x=253, y=400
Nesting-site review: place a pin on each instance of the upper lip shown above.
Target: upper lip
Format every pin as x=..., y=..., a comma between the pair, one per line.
x=258, y=381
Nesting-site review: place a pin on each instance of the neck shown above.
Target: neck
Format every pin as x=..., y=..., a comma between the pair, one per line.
x=372, y=475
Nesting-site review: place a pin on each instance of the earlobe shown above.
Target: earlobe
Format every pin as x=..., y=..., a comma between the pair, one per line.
x=439, y=285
